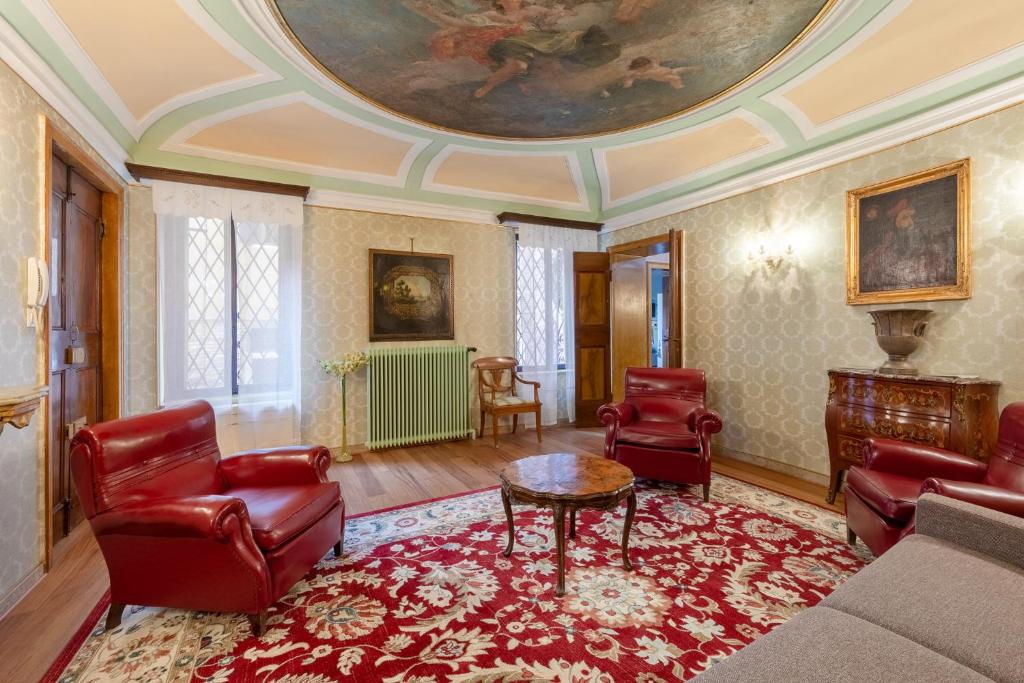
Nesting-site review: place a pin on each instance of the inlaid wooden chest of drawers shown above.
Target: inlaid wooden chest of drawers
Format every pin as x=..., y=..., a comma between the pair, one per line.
x=956, y=413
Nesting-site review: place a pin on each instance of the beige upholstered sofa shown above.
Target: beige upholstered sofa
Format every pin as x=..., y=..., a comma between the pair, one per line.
x=944, y=604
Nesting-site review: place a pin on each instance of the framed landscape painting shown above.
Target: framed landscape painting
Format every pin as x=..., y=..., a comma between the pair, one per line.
x=411, y=296
x=909, y=239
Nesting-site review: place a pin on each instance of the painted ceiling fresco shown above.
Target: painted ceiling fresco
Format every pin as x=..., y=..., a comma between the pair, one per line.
x=543, y=68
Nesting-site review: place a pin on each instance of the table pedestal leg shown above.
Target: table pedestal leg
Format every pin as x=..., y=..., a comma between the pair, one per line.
x=630, y=511
x=507, y=504
x=560, y=547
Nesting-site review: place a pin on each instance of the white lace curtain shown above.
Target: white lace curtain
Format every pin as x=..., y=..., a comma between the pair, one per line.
x=544, y=314
x=229, y=291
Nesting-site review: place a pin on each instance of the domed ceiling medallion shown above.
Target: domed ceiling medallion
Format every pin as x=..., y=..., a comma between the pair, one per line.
x=544, y=68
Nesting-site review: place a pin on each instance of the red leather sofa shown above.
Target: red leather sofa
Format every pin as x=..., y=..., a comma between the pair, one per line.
x=180, y=526
x=881, y=495
x=662, y=430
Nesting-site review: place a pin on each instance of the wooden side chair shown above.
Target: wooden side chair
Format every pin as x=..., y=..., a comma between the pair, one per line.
x=496, y=384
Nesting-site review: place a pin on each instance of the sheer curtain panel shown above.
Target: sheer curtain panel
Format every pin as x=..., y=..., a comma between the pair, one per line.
x=230, y=292
x=544, y=314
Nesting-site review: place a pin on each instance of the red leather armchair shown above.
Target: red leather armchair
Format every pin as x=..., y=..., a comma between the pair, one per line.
x=881, y=495
x=180, y=526
x=662, y=430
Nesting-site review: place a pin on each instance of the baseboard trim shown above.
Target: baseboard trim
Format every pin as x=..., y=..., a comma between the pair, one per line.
x=20, y=590
x=776, y=466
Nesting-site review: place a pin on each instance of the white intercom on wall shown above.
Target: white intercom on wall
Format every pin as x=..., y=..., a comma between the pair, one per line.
x=37, y=290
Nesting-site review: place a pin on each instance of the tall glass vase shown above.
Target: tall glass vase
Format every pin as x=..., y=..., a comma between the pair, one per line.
x=344, y=455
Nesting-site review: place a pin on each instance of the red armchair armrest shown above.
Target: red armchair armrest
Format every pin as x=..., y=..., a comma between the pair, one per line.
x=992, y=497
x=921, y=462
x=616, y=414
x=705, y=422
x=285, y=466
x=210, y=517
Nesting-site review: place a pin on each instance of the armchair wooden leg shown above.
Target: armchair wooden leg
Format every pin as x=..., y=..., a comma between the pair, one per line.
x=494, y=428
x=851, y=536
x=114, y=615
x=515, y=422
x=538, y=425
x=337, y=549
x=258, y=622
x=707, y=492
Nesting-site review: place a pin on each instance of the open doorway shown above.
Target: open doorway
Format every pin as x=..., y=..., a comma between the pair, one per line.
x=658, y=293
x=646, y=305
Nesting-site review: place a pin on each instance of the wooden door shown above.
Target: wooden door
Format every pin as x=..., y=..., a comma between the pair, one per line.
x=630, y=314
x=676, y=293
x=76, y=229
x=592, y=325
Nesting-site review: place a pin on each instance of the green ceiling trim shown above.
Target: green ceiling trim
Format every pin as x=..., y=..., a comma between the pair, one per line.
x=419, y=166
x=26, y=25
x=230, y=17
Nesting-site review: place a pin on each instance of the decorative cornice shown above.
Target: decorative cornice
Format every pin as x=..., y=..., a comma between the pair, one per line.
x=31, y=68
x=949, y=116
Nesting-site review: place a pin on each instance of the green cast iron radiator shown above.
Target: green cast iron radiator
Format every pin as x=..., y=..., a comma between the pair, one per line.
x=417, y=394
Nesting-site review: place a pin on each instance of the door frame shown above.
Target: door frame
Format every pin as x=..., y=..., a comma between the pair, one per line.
x=55, y=142
x=673, y=243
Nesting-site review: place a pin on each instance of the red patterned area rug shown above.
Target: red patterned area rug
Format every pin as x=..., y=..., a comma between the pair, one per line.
x=424, y=595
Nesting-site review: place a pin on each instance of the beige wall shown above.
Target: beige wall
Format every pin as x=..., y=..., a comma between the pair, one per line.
x=335, y=291
x=767, y=339
x=21, y=361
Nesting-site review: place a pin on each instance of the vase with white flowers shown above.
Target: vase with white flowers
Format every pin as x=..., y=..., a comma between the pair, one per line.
x=348, y=364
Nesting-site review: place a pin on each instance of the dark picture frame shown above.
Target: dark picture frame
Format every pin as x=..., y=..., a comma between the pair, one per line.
x=412, y=296
x=909, y=239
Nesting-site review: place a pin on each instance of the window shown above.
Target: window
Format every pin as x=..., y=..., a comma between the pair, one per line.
x=540, y=307
x=229, y=295
x=232, y=266
x=544, y=309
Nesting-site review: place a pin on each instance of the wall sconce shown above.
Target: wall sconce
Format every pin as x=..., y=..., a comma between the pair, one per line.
x=771, y=252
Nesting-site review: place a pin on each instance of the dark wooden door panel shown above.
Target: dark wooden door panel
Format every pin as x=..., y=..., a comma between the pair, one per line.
x=75, y=330
x=591, y=273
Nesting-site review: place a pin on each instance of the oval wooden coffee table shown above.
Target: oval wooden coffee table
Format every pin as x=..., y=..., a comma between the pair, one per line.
x=568, y=482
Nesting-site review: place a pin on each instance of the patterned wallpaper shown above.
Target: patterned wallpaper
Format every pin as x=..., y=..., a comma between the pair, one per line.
x=21, y=360
x=766, y=339
x=335, y=276
x=335, y=289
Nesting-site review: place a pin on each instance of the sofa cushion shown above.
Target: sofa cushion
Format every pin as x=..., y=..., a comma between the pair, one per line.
x=892, y=495
x=822, y=644
x=658, y=435
x=961, y=604
x=278, y=514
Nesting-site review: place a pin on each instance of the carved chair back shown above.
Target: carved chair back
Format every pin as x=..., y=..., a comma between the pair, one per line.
x=495, y=378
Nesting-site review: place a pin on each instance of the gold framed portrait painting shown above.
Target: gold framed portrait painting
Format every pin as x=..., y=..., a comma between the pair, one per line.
x=909, y=239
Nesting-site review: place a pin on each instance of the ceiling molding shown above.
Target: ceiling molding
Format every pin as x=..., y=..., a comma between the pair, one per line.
x=811, y=130
x=31, y=68
x=403, y=207
x=774, y=144
x=936, y=120
x=572, y=163
x=54, y=25
x=178, y=142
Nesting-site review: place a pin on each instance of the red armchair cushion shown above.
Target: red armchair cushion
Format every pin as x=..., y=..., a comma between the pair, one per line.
x=277, y=514
x=892, y=495
x=671, y=435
